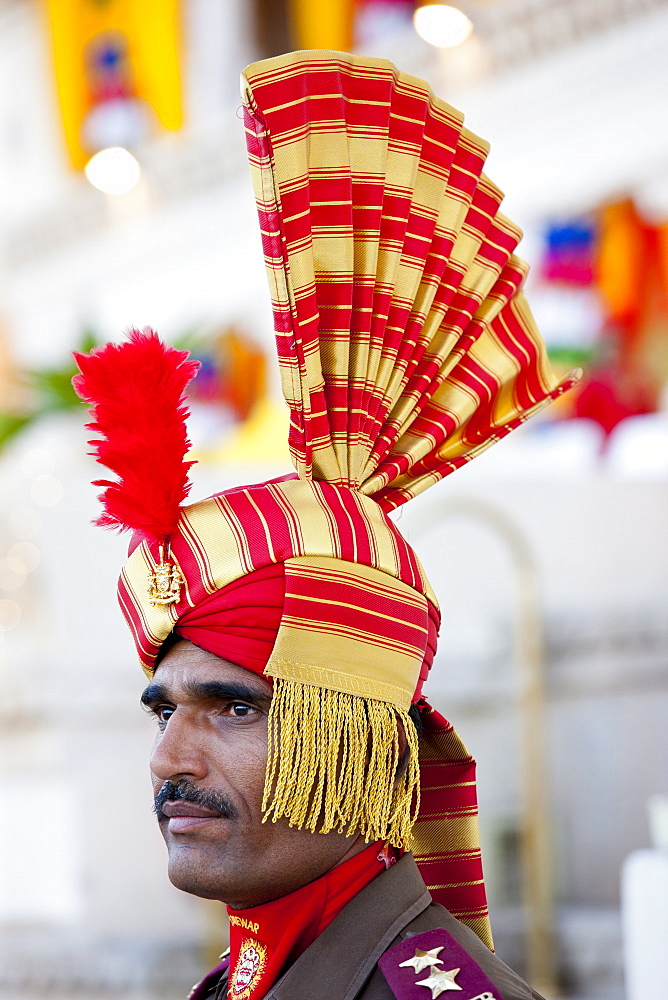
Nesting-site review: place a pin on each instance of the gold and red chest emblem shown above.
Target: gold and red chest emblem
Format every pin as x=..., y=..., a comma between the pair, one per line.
x=248, y=971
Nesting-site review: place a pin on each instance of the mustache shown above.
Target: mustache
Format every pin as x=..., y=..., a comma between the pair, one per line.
x=186, y=791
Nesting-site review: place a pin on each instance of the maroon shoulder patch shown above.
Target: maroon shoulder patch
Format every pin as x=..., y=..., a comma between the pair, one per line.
x=432, y=964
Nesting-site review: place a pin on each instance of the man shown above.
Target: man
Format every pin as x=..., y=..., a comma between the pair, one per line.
x=212, y=751
x=286, y=627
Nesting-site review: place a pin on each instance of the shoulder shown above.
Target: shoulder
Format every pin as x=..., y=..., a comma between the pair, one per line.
x=214, y=984
x=434, y=954
x=379, y=932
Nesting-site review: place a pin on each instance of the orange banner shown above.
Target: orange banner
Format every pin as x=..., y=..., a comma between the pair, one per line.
x=324, y=25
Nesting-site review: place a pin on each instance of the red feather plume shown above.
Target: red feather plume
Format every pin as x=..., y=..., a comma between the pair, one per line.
x=136, y=394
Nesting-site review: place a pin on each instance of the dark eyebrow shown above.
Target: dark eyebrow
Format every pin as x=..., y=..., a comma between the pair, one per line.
x=153, y=694
x=206, y=691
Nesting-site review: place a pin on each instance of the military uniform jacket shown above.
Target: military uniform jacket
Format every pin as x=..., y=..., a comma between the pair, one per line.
x=342, y=964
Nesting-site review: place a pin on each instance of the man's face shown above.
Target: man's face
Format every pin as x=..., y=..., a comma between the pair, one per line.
x=207, y=767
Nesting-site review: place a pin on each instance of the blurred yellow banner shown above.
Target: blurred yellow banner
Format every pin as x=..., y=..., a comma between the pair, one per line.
x=117, y=70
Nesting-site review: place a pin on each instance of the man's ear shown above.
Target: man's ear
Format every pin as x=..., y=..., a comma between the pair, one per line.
x=416, y=720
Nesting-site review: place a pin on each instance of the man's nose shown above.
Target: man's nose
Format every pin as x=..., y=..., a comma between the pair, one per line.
x=177, y=751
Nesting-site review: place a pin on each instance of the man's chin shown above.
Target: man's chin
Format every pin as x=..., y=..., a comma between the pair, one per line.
x=191, y=871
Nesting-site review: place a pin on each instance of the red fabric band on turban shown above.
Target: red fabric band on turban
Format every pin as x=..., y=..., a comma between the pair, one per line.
x=430, y=652
x=240, y=622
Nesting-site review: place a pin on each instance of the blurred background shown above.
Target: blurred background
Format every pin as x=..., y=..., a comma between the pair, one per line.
x=125, y=200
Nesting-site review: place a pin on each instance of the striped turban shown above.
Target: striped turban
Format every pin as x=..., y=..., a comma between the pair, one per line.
x=406, y=347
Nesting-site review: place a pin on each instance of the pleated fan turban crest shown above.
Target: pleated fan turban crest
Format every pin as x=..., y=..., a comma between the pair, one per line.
x=406, y=347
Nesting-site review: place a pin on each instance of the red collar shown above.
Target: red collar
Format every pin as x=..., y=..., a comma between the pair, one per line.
x=266, y=939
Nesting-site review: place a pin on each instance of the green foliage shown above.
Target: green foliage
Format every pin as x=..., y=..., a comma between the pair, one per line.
x=571, y=357
x=11, y=425
x=49, y=391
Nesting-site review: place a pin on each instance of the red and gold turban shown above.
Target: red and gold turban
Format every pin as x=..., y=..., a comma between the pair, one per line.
x=406, y=347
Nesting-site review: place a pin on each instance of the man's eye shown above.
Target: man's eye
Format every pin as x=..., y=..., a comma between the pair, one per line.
x=239, y=709
x=163, y=713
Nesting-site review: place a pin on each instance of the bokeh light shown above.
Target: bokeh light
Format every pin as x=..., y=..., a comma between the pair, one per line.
x=10, y=615
x=441, y=25
x=12, y=574
x=113, y=171
x=25, y=554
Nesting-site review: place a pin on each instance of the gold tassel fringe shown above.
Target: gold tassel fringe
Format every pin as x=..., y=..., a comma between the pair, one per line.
x=332, y=764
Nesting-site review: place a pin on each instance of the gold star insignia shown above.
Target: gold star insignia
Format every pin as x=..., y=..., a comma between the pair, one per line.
x=422, y=960
x=440, y=981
